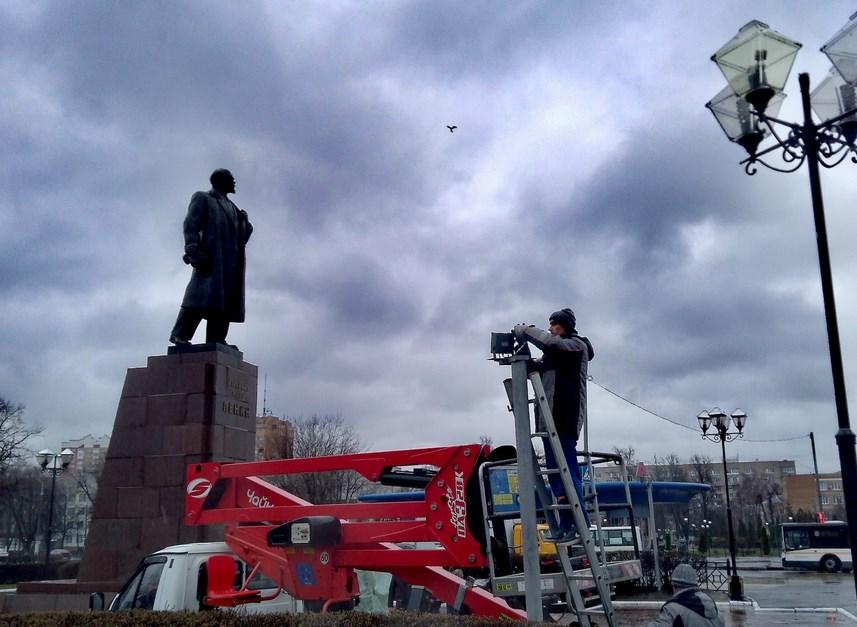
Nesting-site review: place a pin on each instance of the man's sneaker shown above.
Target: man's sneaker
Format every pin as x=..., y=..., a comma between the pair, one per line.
x=562, y=537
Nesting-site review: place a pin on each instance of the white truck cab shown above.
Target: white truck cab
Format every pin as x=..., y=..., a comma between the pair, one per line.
x=175, y=579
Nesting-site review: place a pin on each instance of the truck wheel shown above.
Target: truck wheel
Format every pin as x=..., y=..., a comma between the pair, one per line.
x=830, y=564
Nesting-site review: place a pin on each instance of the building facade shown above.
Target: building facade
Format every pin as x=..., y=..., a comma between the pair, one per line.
x=274, y=437
x=803, y=495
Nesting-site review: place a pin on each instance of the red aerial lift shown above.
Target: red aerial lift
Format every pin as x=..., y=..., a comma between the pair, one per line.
x=311, y=551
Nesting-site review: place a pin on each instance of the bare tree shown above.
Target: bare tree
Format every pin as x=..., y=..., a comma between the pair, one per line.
x=668, y=468
x=749, y=496
x=628, y=456
x=13, y=433
x=86, y=481
x=23, y=496
x=319, y=436
x=702, y=471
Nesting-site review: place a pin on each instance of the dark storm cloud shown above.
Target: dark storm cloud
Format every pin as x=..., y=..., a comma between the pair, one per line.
x=656, y=184
x=176, y=73
x=151, y=60
x=454, y=42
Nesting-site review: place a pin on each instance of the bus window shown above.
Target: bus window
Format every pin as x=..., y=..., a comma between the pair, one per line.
x=796, y=538
x=830, y=537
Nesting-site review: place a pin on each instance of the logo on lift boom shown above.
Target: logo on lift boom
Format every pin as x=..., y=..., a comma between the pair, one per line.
x=199, y=488
x=258, y=500
x=457, y=506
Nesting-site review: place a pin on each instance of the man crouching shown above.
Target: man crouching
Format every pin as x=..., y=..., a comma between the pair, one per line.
x=689, y=606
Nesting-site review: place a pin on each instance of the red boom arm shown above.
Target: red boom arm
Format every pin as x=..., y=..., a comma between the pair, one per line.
x=311, y=551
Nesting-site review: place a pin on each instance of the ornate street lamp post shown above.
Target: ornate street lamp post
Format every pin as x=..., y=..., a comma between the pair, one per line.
x=756, y=63
x=706, y=526
x=722, y=434
x=54, y=464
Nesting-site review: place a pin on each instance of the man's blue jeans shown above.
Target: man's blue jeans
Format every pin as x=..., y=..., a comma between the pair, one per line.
x=569, y=449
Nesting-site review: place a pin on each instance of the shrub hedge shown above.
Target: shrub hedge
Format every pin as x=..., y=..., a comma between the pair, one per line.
x=140, y=618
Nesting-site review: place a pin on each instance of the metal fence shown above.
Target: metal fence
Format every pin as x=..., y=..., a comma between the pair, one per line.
x=713, y=574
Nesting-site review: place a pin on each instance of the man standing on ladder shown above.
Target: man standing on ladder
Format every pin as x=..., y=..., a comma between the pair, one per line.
x=563, y=368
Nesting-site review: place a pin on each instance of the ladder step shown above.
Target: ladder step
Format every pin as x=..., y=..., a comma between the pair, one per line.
x=597, y=610
x=558, y=507
x=549, y=471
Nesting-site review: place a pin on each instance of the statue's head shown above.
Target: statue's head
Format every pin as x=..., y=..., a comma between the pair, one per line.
x=223, y=181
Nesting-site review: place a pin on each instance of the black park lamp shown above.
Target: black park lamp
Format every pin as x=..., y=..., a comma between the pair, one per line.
x=756, y=63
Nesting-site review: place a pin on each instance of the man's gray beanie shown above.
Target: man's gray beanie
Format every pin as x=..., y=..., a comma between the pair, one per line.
x=684, y=576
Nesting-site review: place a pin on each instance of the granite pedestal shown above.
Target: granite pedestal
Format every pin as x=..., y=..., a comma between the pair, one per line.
x=195, y=404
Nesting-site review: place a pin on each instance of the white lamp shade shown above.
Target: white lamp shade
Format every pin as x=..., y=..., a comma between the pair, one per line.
x=842, y=51
x=757, y=57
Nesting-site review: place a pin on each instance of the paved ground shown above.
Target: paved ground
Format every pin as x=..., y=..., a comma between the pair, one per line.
x=748, y=618
x=781, y=598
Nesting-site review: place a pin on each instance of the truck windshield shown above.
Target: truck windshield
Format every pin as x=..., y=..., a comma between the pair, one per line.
x=260, y=581
x=140, y=591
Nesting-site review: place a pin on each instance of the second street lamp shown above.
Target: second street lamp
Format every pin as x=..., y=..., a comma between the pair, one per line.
x=53, y=463
x=720, y=421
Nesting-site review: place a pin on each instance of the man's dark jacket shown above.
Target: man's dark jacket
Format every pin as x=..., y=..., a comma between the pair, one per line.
x=563, y=366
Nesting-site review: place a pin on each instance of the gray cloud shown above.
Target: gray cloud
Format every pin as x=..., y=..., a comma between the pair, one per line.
x=585, y=172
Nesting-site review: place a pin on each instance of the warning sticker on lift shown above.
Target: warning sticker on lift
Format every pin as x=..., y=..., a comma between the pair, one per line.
x=300, y=533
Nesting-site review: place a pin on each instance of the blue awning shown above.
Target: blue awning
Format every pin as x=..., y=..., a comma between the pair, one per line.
x=609, y=493
x=663, y=492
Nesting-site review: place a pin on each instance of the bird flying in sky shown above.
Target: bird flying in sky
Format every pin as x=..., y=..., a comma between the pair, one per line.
x=451, y=127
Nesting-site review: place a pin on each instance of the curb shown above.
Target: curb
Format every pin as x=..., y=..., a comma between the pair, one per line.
x=741, y=606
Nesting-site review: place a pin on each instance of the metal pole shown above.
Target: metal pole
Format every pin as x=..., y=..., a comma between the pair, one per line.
x=844, y=436
x=50, y=513
x=526, y=490
x=736, y=588
x=815, y=467
x=653, y=536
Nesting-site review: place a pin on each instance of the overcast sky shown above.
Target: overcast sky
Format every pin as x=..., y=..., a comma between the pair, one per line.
x=585, y=172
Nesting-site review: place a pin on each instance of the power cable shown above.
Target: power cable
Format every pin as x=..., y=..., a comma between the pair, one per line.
x=640, y=407
x=675, y=422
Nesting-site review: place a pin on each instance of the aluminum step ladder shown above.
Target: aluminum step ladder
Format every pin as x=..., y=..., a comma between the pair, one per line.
x=529, y=486
x=595, y=571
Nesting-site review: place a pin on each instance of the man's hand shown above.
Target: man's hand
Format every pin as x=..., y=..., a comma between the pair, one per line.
x=518, y=330
x=198, y=260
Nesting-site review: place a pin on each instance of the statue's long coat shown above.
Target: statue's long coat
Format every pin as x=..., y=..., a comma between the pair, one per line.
x=215, y=236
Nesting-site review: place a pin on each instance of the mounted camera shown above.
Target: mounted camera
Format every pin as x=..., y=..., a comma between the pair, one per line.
x=504, y=345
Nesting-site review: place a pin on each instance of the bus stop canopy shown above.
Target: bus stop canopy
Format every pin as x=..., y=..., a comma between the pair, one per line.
x=663, y=492
x=609, y=492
